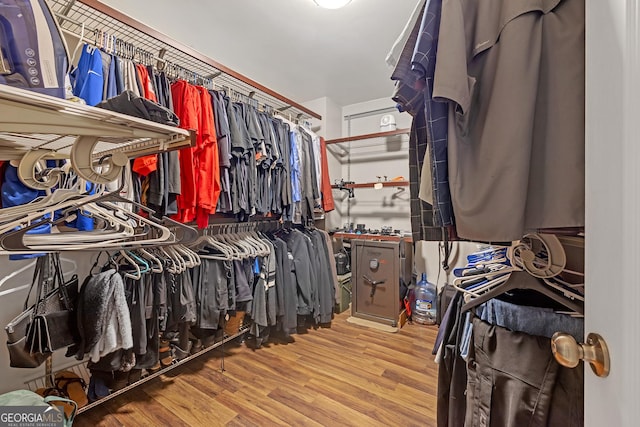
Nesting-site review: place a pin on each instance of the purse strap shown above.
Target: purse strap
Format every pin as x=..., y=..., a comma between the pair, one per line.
x=68, y=421
x=44, y=282
x=66, y=300
x=36, y=279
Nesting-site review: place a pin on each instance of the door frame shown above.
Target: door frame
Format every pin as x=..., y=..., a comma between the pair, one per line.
x=612, y=250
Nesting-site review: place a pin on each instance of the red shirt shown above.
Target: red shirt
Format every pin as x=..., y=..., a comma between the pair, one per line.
x=208, y=173
x=328, y=203
x=187, y=106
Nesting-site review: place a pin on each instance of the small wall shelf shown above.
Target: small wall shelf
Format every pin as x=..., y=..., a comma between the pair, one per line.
x=372, y=184
x=367, y=236
x=368, y=136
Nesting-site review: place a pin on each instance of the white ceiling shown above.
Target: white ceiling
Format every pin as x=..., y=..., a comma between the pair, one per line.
x=291, y=46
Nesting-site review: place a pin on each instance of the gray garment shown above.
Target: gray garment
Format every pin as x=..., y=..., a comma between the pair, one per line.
x=257, y=309
x=285, y=150
x=269, y=269
x=314, y=165
x=104, y=321
x=279, y=278
x=181, y=303
x=244, y=280
x=396, y=50
x=165, y=182
x=231, y=285
x=332, y=264
x=243, y=162
x=222, y=129
x=326, y=288
x=130, y=103
x=160, y=297
x=270, y=264
x=287, y=281
x=514, y=75
x=106, y=65
x=307, y=182
x=255, y=132
x=211, y=292
x=314, y=260
x=173, y=182
x=130, y=77
x=272, y=306
x=282, y=191
x=134, y=293
x=297, y=245
x=156, y=192
x=120, y=87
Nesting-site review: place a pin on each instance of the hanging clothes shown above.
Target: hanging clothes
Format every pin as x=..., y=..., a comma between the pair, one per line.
x=187, y=105
x=523, y=130
x=130, y=77
x=223, y=134
x=207, y=161
x=87, y=78
x=328, y=203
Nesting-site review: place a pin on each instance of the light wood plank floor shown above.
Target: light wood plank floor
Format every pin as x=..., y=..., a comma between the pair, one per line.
x=346, y=375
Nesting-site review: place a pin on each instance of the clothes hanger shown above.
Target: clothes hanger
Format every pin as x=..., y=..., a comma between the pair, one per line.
x=526, y=255
x=137, y=274
x=36, y=211
x=232, y=249
x=207, y=241
x=523, y=280
x=19, y=240
x=173, y=267
x=232, y=239
x=475, y=285
x=177, y=263
x=266, y=251
x=226, y=254
x=254, y=247
x=157, y=264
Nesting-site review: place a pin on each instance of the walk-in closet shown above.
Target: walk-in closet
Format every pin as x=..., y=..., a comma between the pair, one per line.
x=319, y=212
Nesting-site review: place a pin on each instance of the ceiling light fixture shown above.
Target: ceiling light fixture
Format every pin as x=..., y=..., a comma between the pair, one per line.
x=332, y=4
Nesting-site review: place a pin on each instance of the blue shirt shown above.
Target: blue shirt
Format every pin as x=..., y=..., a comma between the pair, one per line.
x=87, y=79
x=15, y=193
x=295, y=168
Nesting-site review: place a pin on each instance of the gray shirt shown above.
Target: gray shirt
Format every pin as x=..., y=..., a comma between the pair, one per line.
x=514, y=75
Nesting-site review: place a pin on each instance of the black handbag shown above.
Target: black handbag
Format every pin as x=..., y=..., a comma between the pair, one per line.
x=47, y=325
x=52, y=326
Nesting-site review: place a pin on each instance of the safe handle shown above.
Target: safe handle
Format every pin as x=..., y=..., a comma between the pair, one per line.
x=374, y=284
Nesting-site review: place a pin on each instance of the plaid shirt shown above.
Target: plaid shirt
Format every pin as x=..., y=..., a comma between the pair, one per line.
x=413, y=77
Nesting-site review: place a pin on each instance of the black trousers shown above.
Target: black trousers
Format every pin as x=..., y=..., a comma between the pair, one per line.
x=514, y=380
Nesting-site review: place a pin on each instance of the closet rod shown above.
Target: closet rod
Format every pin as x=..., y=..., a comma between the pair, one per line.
x=368, y=136
x=163, y=371
x=113, y=13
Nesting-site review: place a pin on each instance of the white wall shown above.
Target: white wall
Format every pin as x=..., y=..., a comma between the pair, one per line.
x=428, y=257
x=363, y=161
x=15, y=278
x=329, y=127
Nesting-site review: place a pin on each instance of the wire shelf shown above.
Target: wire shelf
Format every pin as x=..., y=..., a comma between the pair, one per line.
x=34, y=121
x=73, y=14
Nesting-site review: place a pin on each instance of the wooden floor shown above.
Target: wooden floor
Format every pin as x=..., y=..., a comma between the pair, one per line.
x=339, y=376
